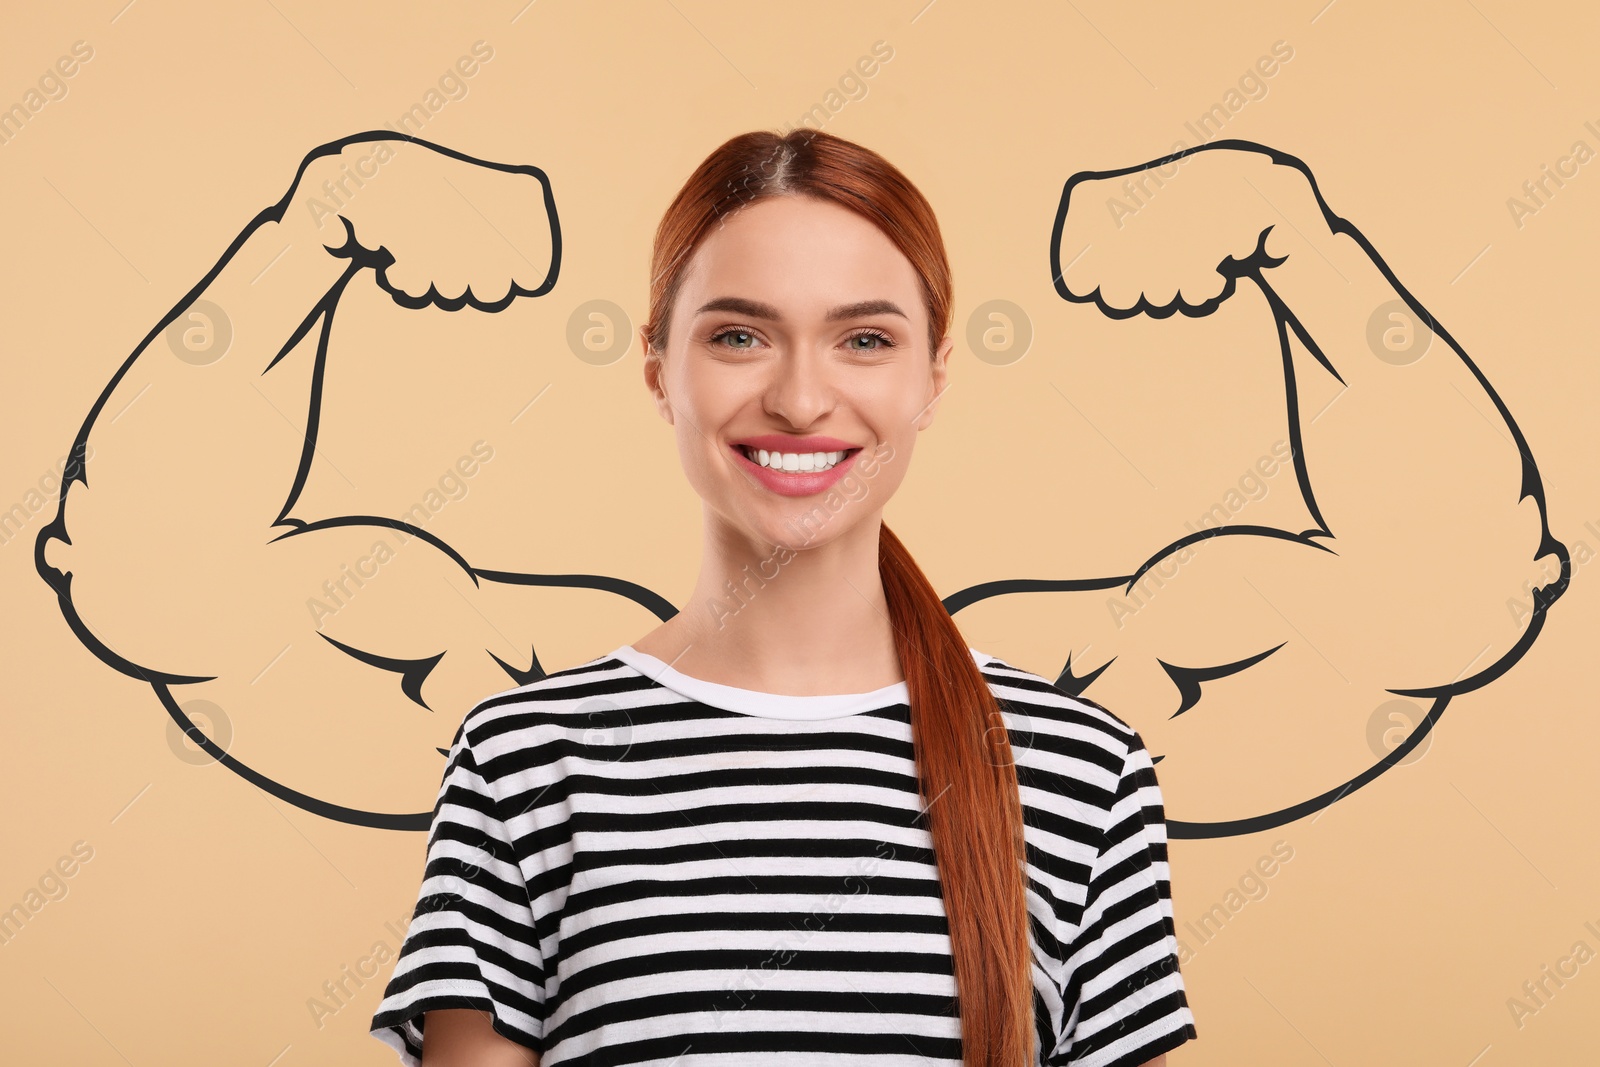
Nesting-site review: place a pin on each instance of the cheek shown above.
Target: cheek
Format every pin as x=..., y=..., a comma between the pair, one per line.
x=894, y=407
x=882, y=477
x=711, y=394
x=700, y=423
x=697, y=452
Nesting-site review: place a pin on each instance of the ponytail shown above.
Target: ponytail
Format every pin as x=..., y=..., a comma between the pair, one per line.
x=971, y=803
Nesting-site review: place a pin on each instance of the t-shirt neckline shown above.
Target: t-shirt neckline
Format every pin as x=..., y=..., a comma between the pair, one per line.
x=765, y=705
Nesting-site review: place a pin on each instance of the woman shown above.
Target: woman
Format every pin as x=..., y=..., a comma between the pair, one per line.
x=787, y=825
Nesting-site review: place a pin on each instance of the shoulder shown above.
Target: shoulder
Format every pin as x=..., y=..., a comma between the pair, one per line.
x=574, y=697
x=1068, y=733
x=1043, y=698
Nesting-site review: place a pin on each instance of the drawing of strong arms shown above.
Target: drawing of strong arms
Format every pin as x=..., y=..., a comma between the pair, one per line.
x=182, y=556
x=1261, y=664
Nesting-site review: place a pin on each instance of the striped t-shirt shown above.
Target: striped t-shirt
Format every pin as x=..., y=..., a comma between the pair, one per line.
x=629, y=865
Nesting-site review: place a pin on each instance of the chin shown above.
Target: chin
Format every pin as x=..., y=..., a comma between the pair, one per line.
x=803, y=524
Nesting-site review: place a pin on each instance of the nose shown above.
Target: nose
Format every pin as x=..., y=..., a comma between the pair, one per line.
x=799, y=391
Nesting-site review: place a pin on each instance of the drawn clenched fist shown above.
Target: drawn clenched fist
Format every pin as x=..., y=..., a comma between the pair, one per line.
x=438, y=227
x=1176, y=233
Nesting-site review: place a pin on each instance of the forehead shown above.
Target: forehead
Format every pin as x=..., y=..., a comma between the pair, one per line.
x=802, y=255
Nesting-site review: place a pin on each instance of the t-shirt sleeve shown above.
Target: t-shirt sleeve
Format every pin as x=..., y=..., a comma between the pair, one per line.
x=1124, y=995
x=471, y=942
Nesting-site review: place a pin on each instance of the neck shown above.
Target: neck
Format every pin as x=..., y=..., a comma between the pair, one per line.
x=800, y=621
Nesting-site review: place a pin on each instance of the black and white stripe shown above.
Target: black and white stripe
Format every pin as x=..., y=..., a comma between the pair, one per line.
x=622, y=871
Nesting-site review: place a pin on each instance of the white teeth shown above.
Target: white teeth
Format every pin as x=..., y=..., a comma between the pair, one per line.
x=795, y=461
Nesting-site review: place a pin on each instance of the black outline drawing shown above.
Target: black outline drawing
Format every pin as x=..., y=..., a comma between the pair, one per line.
x=413, y=672
x=1189, y=679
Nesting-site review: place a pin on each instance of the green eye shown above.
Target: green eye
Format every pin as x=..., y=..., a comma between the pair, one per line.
x=883, y=339
x=715, y=338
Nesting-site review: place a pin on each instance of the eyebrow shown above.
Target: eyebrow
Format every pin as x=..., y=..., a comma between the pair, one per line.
x=757, y=310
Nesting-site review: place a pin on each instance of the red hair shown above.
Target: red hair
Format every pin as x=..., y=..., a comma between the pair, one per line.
x=963, y=752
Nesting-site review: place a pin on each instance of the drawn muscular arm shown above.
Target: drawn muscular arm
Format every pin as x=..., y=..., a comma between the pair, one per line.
x=193, y=462
x=1426, y=505
x=181, y=555
x=1427, y=511
x=1416, y=450
x=1256, y=659
x=201, y=451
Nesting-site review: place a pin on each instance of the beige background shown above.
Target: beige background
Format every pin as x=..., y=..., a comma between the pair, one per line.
x=208, y=916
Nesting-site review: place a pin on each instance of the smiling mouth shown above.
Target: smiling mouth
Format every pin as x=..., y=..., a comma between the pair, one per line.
x=796, y=462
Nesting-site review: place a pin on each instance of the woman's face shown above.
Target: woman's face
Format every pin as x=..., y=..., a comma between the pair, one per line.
x=798, y=326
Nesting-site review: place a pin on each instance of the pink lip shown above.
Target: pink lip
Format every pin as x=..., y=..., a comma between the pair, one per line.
x=779, y=442
x=796, y=483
